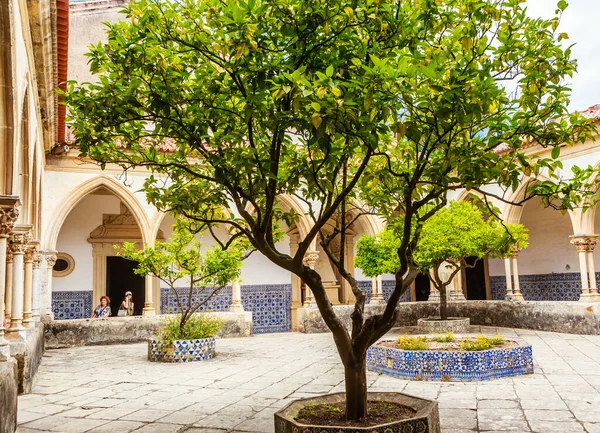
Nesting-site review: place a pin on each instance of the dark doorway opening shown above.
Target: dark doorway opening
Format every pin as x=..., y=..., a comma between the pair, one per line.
x=475, y=279
x=120, y=278
x=422, y=287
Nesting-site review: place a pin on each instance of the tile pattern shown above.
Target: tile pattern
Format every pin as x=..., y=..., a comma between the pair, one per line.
x=542, y=287
x=387, y=287
x=269, y=303
x=219, y=302
x=450, y=366
x=181, y=350
x=72, y=305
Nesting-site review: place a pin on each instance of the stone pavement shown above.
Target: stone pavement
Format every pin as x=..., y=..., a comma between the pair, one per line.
x=115, y=389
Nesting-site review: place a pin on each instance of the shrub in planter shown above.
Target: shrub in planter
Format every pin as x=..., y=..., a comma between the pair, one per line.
x=194, y=342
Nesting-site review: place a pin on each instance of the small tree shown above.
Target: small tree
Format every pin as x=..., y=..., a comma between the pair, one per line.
x=453, y=234
x=181, y=261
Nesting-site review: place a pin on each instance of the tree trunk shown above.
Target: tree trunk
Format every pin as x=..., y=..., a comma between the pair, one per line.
x=444, y=302
x=356, y=390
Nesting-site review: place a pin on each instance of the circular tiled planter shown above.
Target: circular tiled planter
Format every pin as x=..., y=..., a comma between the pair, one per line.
x=444, y=365
x=425, y=420
x=181, y=350
x=432, y=325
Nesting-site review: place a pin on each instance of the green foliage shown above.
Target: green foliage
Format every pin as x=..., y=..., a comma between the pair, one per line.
x=407, y=342
x=451, y=234
x=447, y=337
x=197, y=326
x=481, y=342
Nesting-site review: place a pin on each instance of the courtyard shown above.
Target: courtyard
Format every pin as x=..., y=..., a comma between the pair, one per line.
x=115, y=388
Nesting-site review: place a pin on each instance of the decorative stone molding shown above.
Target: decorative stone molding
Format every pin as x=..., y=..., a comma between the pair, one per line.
x=20, y=239
x=8, y=217
x=585, y=243
x=310, y=259
x=9, y=255
x=37, y=260
x=51, y=260
x=70, y=264
x=514, y=251
x=30, y=252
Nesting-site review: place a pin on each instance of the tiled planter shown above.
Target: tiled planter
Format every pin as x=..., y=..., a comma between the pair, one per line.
x=425, y=420
x=450, y=365
x=181, y=350
x=432, y=325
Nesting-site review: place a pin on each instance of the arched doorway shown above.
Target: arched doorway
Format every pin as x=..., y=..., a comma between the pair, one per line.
x=99, y=221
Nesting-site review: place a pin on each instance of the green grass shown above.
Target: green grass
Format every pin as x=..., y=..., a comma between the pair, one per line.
x=481, y=342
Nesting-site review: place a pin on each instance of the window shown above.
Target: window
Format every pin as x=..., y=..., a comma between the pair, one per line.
x=64, y=265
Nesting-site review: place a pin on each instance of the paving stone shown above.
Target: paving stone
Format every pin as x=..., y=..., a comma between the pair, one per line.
x=252, y=378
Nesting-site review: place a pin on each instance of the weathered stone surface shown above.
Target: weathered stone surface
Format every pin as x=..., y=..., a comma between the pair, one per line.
x=8, y=396
x=117, y=330
x=28, y=354
x=567, y=317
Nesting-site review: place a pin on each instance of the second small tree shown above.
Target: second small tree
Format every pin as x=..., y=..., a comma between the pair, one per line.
x=181, y=262
x=455, y=233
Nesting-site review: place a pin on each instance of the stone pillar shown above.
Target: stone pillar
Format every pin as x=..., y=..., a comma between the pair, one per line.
x=310, y=259
x=236, y=297
x=509, y=290
x=149, y=309
x=30, y=253
x=36, y=285
x=296, y=282
x=349, y=297
x=8, y=216
x=434, y=293
x=19, y=240
x=9, y=284
x=585, y=245
x=457, y=287
x=50, y=262
x=376, y=291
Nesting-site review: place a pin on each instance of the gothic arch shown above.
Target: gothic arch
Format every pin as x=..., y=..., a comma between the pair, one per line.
x=82, y=190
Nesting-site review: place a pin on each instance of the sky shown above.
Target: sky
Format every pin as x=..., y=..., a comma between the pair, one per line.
x=581, y=21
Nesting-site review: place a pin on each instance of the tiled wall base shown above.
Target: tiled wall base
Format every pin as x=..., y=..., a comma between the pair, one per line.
x=270, y=305
x=542, y=287
x=181, y=350
x=387, y=286
x=72, y=305
x=450, y=366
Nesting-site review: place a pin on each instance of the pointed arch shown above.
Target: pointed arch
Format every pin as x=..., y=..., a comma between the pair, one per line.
x=81, y=191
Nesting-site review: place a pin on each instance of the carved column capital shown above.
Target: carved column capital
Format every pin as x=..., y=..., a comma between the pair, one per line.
x=9, y=254
x=30, y=252
x=514, y=251
x=51, y=259
x=310, y=259
x=585, y=243
x=37, y=260
x=19, y=241
x=8, y=217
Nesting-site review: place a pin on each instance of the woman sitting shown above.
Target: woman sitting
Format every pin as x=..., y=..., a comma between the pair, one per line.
x=126, y=306
x=102, y=310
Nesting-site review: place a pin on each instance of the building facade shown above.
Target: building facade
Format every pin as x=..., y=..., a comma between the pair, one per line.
x=61, y=216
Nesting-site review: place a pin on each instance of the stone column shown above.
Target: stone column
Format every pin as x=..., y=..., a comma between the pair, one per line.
x=509, y=290
x=50, y=262
x=8, y=216
x=310, y=259
x=149, y=309
x=585, y=245
x=376, y=291
x=236, y=297
x=30, y=253
x=434, y=293
x=9, y=284
x=516, y=295
x=457, y=288
x=296, y=282
x=349, y=297
x=19, y=240
x=36, y=285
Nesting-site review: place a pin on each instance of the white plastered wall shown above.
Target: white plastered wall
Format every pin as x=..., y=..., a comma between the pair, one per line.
x=73, y=240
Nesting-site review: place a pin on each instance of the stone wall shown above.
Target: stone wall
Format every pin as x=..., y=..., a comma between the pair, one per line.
x=567, y=317
x=8, y=396
x=28, y=354
x=118, y=330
